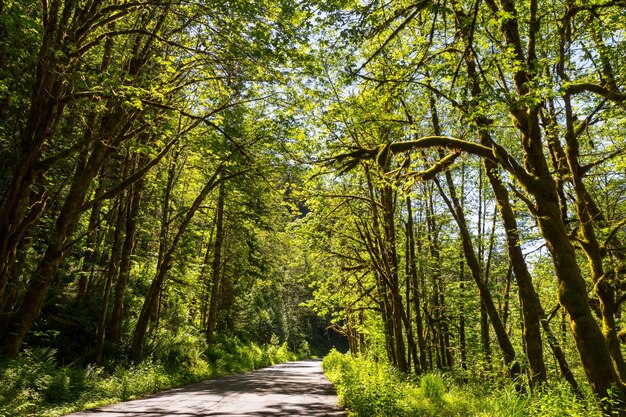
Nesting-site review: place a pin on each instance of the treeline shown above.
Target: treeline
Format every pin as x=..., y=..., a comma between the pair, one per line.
x=478, y=190
x=142, y=199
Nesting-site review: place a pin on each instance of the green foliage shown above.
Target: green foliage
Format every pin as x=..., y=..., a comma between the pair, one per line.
x=369, y=388
x=433, y=387
x=35, y=379
x=178, y=347
x=231, y=355
x=34, y=384
x=366, y=388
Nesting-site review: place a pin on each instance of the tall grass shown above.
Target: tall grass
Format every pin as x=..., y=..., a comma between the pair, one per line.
x=35, y=385
x=371, y=389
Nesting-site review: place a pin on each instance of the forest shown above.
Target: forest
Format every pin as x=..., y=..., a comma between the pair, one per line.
x=429, y=193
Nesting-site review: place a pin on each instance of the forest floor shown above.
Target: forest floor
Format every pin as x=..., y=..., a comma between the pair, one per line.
x=293, y=388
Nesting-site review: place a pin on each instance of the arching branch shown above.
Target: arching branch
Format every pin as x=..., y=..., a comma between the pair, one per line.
x=495, y=153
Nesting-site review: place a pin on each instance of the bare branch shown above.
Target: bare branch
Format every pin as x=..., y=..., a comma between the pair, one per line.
x=531, y=206
x=586, y=168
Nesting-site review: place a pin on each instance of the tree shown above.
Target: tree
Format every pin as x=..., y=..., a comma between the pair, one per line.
x=515, y=82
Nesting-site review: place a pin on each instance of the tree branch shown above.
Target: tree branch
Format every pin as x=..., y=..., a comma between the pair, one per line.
x=612, y=95
x=612, y=234
x=418, y=8
x=437, y=167
x=133, y=178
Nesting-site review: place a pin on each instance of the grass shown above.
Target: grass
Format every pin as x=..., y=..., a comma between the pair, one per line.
x=35, y=385
x=370, y=389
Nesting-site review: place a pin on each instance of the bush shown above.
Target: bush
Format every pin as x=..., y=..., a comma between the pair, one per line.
x=58, y=390
x=369, y=388
x=432, y=387
x=29, y=381
x=366, y=388
x=182, y=347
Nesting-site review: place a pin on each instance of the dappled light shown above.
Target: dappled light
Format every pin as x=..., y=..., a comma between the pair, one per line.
x=427, y=195
x=293, y=389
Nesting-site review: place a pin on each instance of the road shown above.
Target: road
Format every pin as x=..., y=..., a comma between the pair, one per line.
x=290, y=389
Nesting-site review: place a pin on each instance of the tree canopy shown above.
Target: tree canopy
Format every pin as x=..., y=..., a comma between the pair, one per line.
x=439, y=182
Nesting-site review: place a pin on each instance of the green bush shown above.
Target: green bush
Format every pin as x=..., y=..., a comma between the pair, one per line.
x=58, y=390
x=368, y=388
x=433, y=387
x=182, y=347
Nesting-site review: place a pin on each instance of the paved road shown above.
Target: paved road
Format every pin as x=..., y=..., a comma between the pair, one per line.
x=289, y=389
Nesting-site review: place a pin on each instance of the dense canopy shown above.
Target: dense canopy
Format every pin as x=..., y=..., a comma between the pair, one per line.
x=436, y=184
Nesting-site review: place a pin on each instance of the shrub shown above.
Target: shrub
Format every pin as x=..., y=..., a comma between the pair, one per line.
x=369, y=388
x=182, y=347
x=58, y=390
x=366, y=388
x=433, y=387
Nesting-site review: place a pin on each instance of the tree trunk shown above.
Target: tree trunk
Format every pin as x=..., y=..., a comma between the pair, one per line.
x=462, y=337
x=166, y=264
x=217, y=266
x=206, y=293
x=594, y=353
x=415, y=287
x=589, y=214
x=52, y=82
x=474, y=265
x=117, y=312
x=112, y=270
x=437, y=304
x=33, y=300
x=558, y=353
x=43, y=116
x=91, y=247
x=528, y=297
x=390, y=258
x=377, y=247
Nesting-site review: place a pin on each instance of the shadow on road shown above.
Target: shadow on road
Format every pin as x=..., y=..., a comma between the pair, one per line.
x=290, y=389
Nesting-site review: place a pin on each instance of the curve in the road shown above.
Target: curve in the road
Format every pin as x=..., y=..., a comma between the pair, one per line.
x=290, y=389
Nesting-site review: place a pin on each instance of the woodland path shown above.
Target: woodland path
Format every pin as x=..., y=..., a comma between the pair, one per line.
x=289, y=389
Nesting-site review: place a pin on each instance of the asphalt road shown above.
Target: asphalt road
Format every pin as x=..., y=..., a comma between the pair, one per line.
x=290, y=389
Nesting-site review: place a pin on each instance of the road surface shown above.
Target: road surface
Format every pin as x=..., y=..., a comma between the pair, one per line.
x=290, y=389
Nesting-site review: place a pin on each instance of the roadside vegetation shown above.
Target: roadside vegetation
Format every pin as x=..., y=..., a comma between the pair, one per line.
x=375, y=389
x=35, y=384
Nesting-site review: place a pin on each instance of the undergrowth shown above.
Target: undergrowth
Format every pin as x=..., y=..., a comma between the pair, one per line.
x=34, y=384
x=371, y=389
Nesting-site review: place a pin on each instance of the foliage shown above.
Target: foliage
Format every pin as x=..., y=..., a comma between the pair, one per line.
x=34, y=384
x=369, y=388
x=212, y=186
